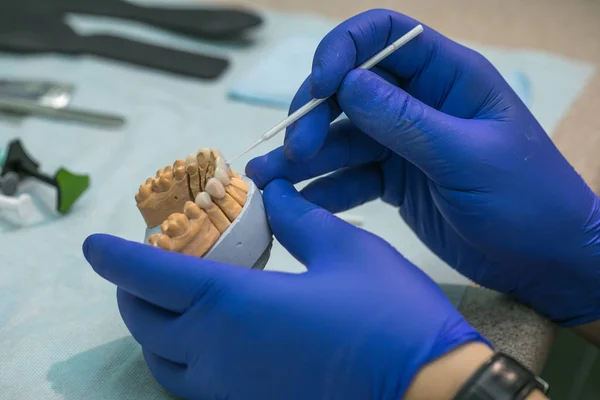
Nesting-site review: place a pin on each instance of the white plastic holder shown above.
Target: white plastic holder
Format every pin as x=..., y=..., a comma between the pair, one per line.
x=20, y=210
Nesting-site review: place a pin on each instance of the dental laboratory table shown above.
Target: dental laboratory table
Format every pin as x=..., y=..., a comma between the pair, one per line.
x=510, y=24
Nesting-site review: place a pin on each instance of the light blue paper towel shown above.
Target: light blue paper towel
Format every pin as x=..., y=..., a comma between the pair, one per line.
x=537, y=77
x=279, y=72
x=60, y=333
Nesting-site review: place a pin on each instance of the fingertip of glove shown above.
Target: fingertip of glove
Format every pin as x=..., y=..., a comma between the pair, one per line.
x=305, y=138
x=97, y=243
x=254, y=170
x=357, y=81
x=298, y=152
x=320, y=87
x=94, y=244
x=287, y=211
x=265, y=168
x=284, y=201
x=88, y=245
x=278, y=189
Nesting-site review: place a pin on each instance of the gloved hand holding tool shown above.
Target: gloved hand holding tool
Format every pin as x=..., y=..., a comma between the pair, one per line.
x=437, y=132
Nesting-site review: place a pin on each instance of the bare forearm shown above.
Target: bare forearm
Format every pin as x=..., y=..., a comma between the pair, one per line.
x=591, y=332
x=537, y=395
x=450, y=372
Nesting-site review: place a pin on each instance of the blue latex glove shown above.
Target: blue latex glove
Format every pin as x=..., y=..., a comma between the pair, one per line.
x=437, y=132
x=357, y=325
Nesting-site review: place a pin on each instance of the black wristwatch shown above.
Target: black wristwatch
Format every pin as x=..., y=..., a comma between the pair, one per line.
x=501, y=378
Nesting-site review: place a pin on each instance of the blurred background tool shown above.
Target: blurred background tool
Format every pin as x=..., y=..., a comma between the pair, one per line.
x=199, y=21
x=29, y=107
x=52, y=94
x=69, y=186
x=33, y=32
x=9, y=183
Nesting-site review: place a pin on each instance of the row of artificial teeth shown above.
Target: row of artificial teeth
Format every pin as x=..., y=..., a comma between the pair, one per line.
x=222, y=171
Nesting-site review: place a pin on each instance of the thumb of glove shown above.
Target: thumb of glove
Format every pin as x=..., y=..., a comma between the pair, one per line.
x=421, y=134
x=306, y=230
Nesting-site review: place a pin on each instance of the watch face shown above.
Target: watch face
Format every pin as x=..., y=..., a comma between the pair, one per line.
x=502, y=378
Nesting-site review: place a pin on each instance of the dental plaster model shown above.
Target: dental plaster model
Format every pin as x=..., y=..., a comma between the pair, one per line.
x=200, y=207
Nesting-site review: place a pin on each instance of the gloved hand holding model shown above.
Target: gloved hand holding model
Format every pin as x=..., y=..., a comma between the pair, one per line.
x=440, y=135
x=359, y=324
x=434, y=131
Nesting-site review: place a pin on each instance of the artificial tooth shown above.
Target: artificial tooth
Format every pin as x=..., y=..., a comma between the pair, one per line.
x=190, y=159
x=165, y=242
x=219, y=160
x=153, y=239
x=198, y=239
x=238, y=195
x=204, y=201
x=144, y=192
x=222, y=176
x=229, y=206
x=191, y=210
x=155, y=185
x=221, y=164
x=204, y=166
x=168, y=170
x=192, y=170
x=149, y=180
x=217, y=153
x=216, y=216
x=215, y=188
x=161, y=184
x=164, y=226
x=159, y=173
x=166, y=180
x=179, y=172
x=240, y=184
x=175, y=226
x=208, y=172
x=204, y=152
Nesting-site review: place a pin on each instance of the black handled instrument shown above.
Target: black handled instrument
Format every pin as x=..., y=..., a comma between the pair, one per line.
x=27, y=32
x=200, y=21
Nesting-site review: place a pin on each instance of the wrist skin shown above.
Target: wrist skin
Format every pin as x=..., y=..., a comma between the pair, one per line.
x=590, y=332
x=450, y=372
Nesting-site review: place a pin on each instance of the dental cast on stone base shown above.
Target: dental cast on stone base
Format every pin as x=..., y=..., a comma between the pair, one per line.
x=194, y=201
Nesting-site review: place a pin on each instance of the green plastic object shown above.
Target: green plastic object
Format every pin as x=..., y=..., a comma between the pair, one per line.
x=70, y=187
x=2, y=157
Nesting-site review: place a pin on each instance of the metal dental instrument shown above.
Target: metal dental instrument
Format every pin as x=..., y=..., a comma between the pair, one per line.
x=66, y=113
x=48, y=93
x=302, y=111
